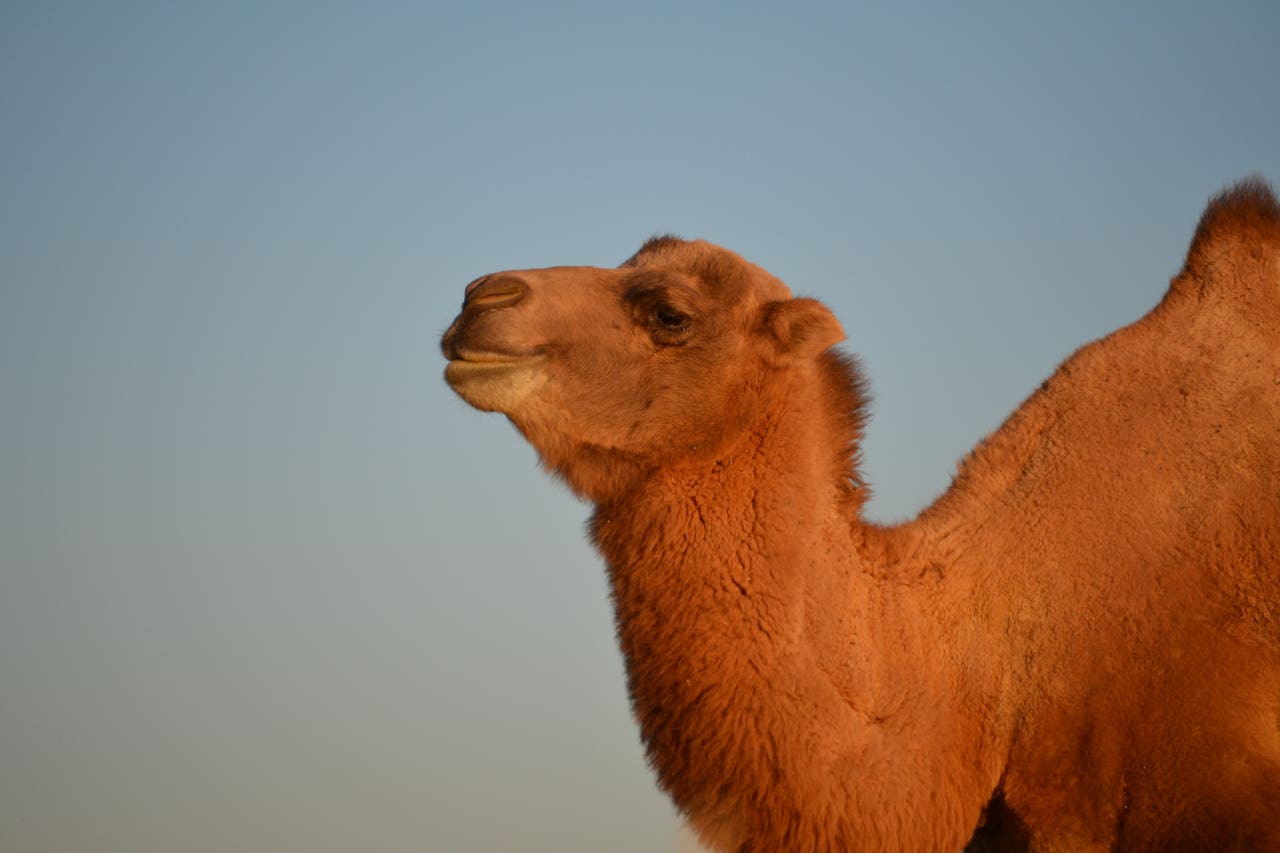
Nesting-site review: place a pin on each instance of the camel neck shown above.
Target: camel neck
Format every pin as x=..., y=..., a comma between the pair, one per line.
x=748, y=598
x=751, y=548
x=739, y=530
x=742, y=559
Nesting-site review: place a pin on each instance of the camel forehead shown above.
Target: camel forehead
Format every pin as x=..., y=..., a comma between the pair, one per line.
x=719, y=273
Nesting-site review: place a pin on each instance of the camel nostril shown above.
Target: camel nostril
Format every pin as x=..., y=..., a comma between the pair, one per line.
x=495, y=292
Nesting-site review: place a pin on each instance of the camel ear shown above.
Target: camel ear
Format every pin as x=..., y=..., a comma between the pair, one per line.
x=801, y=328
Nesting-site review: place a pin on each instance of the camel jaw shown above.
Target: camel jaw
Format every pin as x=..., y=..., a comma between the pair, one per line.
x=494, y=382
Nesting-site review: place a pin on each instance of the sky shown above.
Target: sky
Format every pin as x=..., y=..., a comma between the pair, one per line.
x=266, y=584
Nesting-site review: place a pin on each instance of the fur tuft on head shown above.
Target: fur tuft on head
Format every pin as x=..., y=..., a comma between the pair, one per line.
x=655, y=244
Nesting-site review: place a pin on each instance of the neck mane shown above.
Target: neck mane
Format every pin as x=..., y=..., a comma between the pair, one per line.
x=777, y=646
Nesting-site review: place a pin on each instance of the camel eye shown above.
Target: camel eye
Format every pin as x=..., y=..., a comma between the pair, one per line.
x=668, y=326
x=665, y=317
x=670, y=319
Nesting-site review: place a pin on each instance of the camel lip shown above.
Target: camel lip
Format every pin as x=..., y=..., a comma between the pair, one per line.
x=487, y=358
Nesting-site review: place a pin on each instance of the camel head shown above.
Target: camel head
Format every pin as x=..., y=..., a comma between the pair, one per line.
x=612, y=372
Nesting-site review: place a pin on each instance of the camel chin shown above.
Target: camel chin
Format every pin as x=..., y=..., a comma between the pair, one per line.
x=495, y=385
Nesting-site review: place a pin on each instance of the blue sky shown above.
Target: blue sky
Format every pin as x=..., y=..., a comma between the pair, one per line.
x=265, y=584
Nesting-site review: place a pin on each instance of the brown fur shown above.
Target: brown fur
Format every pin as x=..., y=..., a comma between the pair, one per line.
x=1076, y=647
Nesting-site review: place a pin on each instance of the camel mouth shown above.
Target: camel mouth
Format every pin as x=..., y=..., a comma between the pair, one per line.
x=460, y=369
x=490, y=358
x=469, y=363
x=475, y=365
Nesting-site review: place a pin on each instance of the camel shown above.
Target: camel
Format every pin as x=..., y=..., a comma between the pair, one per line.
x=1075, y=647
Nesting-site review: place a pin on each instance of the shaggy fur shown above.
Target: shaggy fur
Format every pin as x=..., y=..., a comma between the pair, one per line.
x=1077, y=647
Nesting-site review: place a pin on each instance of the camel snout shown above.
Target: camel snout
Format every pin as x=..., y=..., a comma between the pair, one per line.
x=485, y=294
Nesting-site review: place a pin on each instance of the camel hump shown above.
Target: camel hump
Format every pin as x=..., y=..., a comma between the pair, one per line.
x=1239, y=232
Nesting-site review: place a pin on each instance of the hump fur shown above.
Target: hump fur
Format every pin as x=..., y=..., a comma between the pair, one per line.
x=1241, y=221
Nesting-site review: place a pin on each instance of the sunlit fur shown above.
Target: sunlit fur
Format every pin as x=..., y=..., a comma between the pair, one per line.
x=1077, y=647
